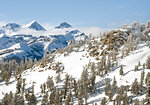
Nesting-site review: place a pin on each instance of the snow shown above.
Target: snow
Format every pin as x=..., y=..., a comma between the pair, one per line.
x=63, y=25
x=34, y=25
x=35, y=37
x=73, y=63
x=29, y=24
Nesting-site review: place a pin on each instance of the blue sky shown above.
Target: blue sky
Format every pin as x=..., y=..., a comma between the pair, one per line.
x=79, y=13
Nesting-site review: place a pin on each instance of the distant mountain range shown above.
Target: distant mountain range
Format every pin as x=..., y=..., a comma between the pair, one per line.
x=33, y=40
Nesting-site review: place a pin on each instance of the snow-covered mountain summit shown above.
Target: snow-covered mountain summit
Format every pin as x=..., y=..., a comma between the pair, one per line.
x=63, y=25
x=34, y=25
x=12, y=26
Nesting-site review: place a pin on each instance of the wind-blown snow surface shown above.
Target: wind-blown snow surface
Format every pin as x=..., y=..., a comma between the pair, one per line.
x=35, y=38
x=73, y=65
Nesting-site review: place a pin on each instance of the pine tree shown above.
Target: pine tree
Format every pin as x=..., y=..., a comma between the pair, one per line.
x=30, y=97
x=44, y=87
x=52, y=99
x=18, y=99
x=41, y=87
x=30, y=64
x=18, y=86
x=80, y=101
x=141, y=81
x=66, y=84
x=23, y=86
x=121, y=70
x=58, y=79
x=135, y=87
x=6, y=100
x=103, y=101
x=114, y=84
x=139, y=64
x=118, y=99
x=45, y=99
x=26, y=63
x=135, y=68
x=143, y=65
x=75, y=87
x=68, y=99
x=107, y=88
x=125, y=99
x=58, y=99
x=92, y=78
x=147, y=78
x=137, y=102
x=148, y=62
x=84, y=81
x=50, y=83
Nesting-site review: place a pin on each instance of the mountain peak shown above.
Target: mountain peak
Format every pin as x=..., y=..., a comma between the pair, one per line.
x=34, y=25
x=64, y=25
x=12, y=26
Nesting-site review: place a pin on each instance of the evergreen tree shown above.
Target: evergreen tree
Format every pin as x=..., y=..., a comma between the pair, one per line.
x=58, y=79
x=30, y=64
x=84, y=81
x=147, y=78
x=66, y=84
x=125, y=99
x=41, y=87
x=68, y=99
x=103, y=101
x=45, y=99
x=50, y=83
x=80, y=101
x=31, y=98
x=18, y=99
x=58, y=99
x=114, y=84
x=22, y=68
x=18, y=86
x=141, y=81
x=143, y=65
x=135, y=87
x=52, y=99
x=136, y=102
x=26, y=63
x=75, y=87
x=148, y=62
x=121, y=70
x=139, y=64
x=109, y=90
x=135, y=68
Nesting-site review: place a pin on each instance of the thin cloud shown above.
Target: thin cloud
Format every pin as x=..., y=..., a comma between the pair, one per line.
x=2, y=23
x=95, y=31
x=48, y=26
